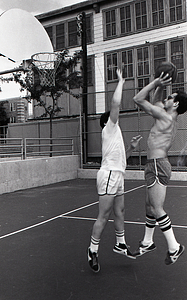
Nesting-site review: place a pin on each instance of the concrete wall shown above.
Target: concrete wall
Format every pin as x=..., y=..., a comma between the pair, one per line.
x=23, y=174
x=129, y=174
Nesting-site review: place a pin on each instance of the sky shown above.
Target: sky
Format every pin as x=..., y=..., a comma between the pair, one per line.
x=36, y=6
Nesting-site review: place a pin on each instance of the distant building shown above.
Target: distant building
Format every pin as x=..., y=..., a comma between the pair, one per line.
x=16, y=109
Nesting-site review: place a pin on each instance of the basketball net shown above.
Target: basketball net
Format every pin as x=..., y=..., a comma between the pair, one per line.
x=44, y=65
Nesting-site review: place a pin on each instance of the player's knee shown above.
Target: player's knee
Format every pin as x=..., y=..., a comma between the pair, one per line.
x=120, y=212
x=156, y=211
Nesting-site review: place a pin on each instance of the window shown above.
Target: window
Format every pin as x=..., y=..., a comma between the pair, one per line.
x=159, y=53
x=157, y=12
x=110, y=19
x=175, y=7
x=64, y=35
x=179, y=83
x=127, y=63
x=50, y=32
x=142, y=82
x=90, y=69
x=12, y=120
x=125, y=19
x=12, y=106
x=60, y=37
x=177, y=54
x=112, y=64
x=177, y=58
x=72, y=33
x=141, y=15
x=88, y=29
x=90, y=76
x=143, y=61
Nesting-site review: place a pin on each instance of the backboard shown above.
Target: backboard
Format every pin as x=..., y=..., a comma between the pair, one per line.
x=21, y=36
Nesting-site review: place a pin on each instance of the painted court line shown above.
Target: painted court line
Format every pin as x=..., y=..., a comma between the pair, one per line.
x=126, y=222
x=74, y=210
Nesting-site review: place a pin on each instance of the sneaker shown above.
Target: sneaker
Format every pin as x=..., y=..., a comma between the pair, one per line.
x=171, y=258
x=123, y=249
x=144, y=249
x=93, y=261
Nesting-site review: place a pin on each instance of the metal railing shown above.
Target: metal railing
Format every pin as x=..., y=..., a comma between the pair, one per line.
x=34, y=147
x=11, y=147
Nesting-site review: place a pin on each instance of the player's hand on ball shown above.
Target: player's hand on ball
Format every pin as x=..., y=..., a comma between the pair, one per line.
x=165, y=79
x=135, y=141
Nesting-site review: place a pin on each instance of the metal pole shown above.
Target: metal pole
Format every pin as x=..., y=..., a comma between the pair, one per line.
x=85, y=88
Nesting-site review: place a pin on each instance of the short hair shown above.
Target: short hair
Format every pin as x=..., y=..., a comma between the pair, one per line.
x=182, y=99
x=104, y=118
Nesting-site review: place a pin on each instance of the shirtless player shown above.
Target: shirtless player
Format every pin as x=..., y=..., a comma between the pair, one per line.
x=158, y=168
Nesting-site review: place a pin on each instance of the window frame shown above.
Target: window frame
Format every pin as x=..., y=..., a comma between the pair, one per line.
x=128, y=64
x=60, y=35
x=164, y=9
x=141, y=16
x=105, y=23
x=182, y=12
x=131, y=19
x=66, y=35
x=149, y=18
x=113, y=66
x=143, y=62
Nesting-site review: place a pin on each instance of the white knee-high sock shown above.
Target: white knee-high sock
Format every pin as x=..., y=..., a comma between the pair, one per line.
x=149, y=230
x=120, y=237
x=165, y=225
x=94, y=244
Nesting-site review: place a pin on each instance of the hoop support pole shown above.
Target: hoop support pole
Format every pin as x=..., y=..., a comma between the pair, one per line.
x=13, y=70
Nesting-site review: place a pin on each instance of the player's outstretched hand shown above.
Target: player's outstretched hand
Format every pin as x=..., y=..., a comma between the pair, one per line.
x=119, y=74
x=163, y=80
x=135, y=141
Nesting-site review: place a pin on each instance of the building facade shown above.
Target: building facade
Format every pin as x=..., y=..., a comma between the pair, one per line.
x=134, y=36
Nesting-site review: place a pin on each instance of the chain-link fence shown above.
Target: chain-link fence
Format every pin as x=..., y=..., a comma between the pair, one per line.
x=134, y=123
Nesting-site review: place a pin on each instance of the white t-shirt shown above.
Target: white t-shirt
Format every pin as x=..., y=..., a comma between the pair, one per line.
x=113, y=149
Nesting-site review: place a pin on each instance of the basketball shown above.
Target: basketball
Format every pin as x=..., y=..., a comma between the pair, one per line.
x=167, y=68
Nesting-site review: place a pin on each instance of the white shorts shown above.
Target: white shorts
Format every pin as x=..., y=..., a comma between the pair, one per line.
x=110, y=183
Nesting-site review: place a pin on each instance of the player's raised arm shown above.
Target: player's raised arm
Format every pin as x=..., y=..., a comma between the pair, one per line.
x=158, y=96
x=140, y=98
x=116, y=99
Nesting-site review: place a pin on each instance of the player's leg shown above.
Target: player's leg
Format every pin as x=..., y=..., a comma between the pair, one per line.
x=149, y=224
x=105, y=207
x=119, y=210
x=157, y=195
x=147, y=244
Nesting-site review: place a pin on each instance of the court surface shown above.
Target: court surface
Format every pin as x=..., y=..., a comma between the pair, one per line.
x=45, y=231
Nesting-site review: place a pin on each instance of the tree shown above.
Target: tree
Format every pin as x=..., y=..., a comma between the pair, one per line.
x=66, y=79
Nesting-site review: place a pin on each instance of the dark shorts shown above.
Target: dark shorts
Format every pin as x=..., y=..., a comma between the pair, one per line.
x=157, y=170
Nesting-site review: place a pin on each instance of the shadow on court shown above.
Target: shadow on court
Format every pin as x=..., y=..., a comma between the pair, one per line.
x=45, y=232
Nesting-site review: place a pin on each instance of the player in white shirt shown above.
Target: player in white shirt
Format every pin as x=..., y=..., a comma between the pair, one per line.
x=110, y=179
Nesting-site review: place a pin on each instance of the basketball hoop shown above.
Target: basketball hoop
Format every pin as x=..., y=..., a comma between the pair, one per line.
x=44, y=65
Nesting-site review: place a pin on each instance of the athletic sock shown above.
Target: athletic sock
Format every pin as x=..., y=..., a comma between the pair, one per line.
x=149, y=230
x=165, y=225
x=120, y=237
x=94, y=244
